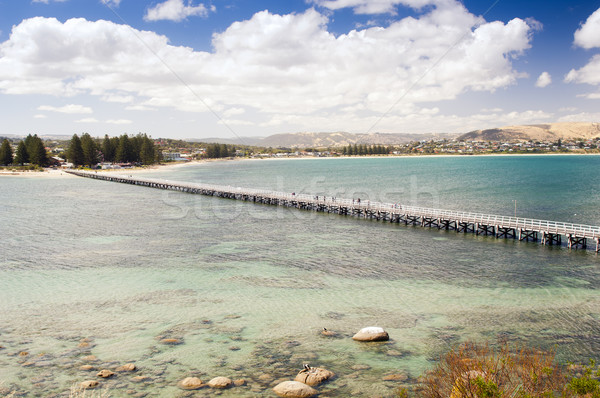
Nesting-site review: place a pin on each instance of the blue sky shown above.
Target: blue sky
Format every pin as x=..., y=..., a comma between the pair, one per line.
x=227, y=68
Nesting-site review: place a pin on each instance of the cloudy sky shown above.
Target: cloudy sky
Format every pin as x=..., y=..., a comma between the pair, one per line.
x=227, y=68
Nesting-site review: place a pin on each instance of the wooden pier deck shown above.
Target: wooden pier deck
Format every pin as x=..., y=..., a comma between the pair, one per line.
x=525, y=229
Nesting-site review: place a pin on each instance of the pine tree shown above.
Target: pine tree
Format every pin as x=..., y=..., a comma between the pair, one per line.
x=6, y=155
x=224, y=151
x=147, y=154
x=75, y=151
x=21, y=156
x=108, y=149
x=37, y=151
x=124, y=150
x=88, y=148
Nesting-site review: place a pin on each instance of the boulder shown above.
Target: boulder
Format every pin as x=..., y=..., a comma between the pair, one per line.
x=220, y=382
x=89, y=384
x=314, y=376
x=105, y=373
x=294, y=389
x=239, y=382
x=90, y=358
x=371, y=333
x=86, y=367
x=191, y=383
x=128, y=367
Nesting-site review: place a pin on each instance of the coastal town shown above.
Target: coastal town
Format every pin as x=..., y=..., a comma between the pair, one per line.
x=60, y=154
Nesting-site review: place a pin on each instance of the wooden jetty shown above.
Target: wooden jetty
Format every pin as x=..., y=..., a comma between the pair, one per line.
x=525, y=229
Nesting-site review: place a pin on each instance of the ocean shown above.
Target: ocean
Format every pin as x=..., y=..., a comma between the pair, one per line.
x=243, y=290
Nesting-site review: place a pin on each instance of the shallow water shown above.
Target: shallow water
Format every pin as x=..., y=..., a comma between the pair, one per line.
x=247, y=288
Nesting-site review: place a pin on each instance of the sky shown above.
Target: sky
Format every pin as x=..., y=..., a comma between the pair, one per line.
x=237, y=68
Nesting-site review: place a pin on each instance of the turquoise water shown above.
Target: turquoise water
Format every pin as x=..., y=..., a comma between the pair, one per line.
x=247, y=288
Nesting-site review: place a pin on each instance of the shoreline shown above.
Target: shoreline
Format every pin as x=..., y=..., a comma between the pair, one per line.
x=59, y=173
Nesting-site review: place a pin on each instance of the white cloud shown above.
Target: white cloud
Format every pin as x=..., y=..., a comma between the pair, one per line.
x=71, y=109
x=176, y=10
x=276, y=67
x=111, y=3
x=588, y=36
x=123, y=99
x=374, y=6
x=39, y=116
x=48, y=1
x=543, y=80
x=581, y=117
x=87, y=120
x=119, y=121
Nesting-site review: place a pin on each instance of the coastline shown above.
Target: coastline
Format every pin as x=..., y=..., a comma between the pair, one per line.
x=60, y=173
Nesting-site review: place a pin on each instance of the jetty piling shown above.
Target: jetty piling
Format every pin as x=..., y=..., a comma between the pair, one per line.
x=505, y=227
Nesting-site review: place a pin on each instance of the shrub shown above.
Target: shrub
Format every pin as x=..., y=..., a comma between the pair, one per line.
x=477, y=371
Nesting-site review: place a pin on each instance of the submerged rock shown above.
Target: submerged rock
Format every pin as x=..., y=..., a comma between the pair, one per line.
x=220, y=382
x=191, y=383
x=171, y=341
x=314, y=376
x=371, y=333
x=239, y=382
x=87, y=368
x=294, y=389
x=105, y=373
x=89, y=384
x=328, y=333
x=128, y=367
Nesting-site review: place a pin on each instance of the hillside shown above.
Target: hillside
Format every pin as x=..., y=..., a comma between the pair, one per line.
x=536, y=132
x=324, y=140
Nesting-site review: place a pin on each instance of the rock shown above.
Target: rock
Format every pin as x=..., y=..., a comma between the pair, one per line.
x=328, y=333
x=239, y=382
x=105, y=373
x=234, y=348
x=171, y=341
x=128, y=367
x=220, y=382
x=371, y=333
x=83, y=344
x=395, y=377
x=266, y=377
x=141, y=379
x=360, y=367
x=314, y=376
x=191, y=383
x=23, y=353
x=294, y=389
x=87, y=368
x=89, y=384
x=90, y=358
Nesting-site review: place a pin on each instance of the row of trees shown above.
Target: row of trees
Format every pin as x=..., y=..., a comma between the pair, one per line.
x=124, y=149
x=30, y=150
x=366, y=150
x=214, y=151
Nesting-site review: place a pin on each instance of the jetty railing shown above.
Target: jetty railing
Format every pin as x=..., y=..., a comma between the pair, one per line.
x=548, y=232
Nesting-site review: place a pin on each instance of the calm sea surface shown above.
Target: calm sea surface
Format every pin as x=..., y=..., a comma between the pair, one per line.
x=246, y=288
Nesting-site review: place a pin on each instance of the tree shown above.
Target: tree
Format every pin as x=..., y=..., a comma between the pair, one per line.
x=36, y=150
x=88, y=148
x=124, y=150
x=21, y=156
x=75, y=151
x=108, y=149
x=6, y=155
x=147, y=153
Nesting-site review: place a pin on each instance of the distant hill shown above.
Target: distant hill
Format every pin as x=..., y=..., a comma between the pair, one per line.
x=324, y=140
x=536, y=132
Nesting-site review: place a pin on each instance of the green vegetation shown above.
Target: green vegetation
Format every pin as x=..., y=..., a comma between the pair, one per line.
x=478, y=371
x=6, y=155
x=87, y=151
x=362, y=150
